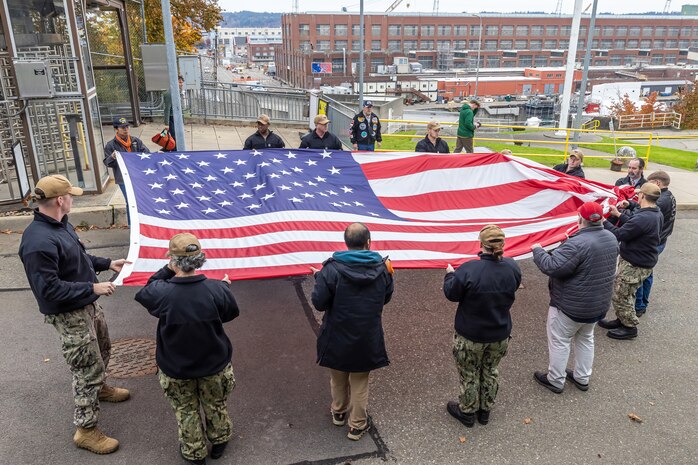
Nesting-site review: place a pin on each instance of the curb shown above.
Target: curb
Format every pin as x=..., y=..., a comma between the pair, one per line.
x=99, y=216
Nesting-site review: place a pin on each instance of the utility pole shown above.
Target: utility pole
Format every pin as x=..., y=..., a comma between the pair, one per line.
x=569, y=72
x=172, y=71
x=577, y=123
x=361, y=55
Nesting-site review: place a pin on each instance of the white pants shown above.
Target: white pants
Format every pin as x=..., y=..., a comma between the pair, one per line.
x=561, y=330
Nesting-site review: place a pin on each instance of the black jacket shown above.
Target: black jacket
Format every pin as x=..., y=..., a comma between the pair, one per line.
x=256, y=141
x=365, y=132
x=352, y=295
x=425, y=145
x=626, y=181
x=328, y=142
x=114, y=145
x=61, y=273
x=581, y=273
x=485, y=290
x=639, y=236
x=562, y=168
x=191, y=341
x=667, y=205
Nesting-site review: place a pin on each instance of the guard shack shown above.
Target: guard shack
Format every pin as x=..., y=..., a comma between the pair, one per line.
x=49, y=110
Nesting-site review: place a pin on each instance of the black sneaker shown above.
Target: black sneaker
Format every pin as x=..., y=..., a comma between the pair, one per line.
x=624, y=332
x=468, y=419
x=580, y=386
x=542, y=378
x=218, y=449
x=483, y=417
x=640, y=311
x=339, y=419
x=610, y=324
x=355, y=433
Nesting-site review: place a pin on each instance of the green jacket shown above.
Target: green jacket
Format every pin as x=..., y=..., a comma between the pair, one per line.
x=466, y=125
x=167, y=97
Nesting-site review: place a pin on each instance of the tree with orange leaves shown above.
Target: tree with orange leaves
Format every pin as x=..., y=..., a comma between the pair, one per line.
x=189, y=19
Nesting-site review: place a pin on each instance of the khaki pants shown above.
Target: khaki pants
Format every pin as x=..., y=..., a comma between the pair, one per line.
x=464, y=143
x=350, y=392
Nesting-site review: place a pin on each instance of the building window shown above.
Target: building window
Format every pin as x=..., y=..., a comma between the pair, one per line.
x=394, y=45
x=305, y=45
x=645, y=44
x=509, y=64
x=550, y=30
x=490, y=45
x=541, y=60
x=375, y=63
x=621, y=31
x=525, y=60
x=338, y=65
x=684, y=44
x=633, y=43
x=564, y=44
x=427, y=31
x=607, y=43
x=550, y=44
x=555, y=63
x=536, y=45
x=685, y=31
x=608, y=31
x=408, y=45
x=356, y=45
x=670, y=60
x=443, y=30
x=340, y=44
x=426, y=45
x=340, y=30
x=695, y=31
x=394, y=30
x=323, y=45
x=507, y=31
x=376, y=30
x=660, y=31
x=506, y=44
x=615, y=60
x=410, y=30
x=460, y=44
x=582, y=31
x=460, y=30
x=443, y=45
x=634, y=31
x=628, y=59
x=673, y=32
x=492, y=30
x=601, y=63
x=322, y=29
x=620, y=44
x=521, y=45
x=565, y=31
x=356, y=30
x=657, y=59
x=492, y=62
x=375, y=45
x=521, y=31
x=474, y=44
x=672, y=44
x=647, y=31
x=304, y=29
x=537, y=31
x=426, y=62
x=475, y=30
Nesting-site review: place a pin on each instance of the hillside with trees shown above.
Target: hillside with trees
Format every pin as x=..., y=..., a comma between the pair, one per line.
x=250, y=19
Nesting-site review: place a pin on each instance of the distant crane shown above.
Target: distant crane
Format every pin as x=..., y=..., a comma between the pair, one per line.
x=394, y=5
x=558, y=8
x=294, y=7
x=667, y=6
x=436, y=7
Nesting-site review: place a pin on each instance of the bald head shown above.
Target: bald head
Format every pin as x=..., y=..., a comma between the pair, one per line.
x=357, y=237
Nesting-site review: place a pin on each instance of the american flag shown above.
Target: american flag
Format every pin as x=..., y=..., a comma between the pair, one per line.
x=275, y=212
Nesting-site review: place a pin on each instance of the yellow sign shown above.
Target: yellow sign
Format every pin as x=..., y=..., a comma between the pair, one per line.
x=322, y=107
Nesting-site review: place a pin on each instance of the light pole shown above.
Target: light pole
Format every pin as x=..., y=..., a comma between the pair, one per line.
x=479, y=48
x=585, y=73
x=361, y=55
x=173, y=72
x=344, y=60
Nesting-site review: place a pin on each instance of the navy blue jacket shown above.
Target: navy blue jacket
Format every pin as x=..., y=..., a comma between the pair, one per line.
x=639, y=236
x=352, y=288
x=425, y=145
x=365, y=132
x=191, y=341
x=328, y=142
x=256, y=141
x=667, y=205
x=581, y=273
x=61, y=273
x=485, y=291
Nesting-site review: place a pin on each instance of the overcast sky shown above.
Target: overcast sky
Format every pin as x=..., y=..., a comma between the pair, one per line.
x=453, y=6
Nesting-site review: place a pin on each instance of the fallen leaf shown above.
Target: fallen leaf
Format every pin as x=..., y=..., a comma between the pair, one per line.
x=527, y=421
x=634, y=417
x=651, y=403
x=461, y=439
x=47, y=360
x=6, y=231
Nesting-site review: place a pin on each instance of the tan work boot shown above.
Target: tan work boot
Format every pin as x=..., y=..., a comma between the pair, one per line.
x=95, y=441
x=113, y=394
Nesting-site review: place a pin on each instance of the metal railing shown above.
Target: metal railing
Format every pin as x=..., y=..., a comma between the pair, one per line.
x=670, y=119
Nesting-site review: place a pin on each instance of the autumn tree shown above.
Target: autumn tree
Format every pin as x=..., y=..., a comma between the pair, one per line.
x=189, y=19
x=688, y=107
x=625, y=106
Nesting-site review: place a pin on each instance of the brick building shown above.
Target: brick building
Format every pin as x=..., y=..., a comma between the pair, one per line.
x=450, y=41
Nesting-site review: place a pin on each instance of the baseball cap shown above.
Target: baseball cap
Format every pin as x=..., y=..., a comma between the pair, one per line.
x=184, y=245
x=650, y=188
x=321, y=119
x=433, y=125
x=264, y=119
x=591, y=211
x=121, y=122
x=491, y=235
x=577, y=154
x=54, y=186
x=368, y=103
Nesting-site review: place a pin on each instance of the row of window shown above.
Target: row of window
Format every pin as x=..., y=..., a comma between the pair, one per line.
x=413, y=30
x=491, y=45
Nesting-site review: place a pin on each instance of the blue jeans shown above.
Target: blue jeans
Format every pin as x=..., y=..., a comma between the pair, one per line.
x=370, y=148
x=128, y=213
x=642, y=297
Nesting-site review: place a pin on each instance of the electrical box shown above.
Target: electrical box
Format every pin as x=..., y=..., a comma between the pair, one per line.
x=155, y=67
x=34, y=79
x=190, y=70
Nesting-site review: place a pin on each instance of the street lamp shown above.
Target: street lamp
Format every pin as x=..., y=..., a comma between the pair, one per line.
x=479, y=48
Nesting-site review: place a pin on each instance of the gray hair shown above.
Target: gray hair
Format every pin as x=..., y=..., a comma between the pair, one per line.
x=191, y=263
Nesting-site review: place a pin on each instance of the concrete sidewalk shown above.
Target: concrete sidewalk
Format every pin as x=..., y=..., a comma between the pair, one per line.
x=109, y=209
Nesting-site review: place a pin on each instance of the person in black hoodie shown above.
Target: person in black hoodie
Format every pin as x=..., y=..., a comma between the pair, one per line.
x=432, y=143
x=352, y=288
x=573, y=167
x=193, y=352
x=639, y=237
x=63, y=279
x=485, y=291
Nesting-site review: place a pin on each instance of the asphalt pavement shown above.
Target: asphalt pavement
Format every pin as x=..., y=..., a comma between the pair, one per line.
x=280, y=407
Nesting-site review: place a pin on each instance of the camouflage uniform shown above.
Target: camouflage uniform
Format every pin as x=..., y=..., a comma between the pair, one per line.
x=477, y=366
x=186, y=396
x=628, y=280
x=86, y=348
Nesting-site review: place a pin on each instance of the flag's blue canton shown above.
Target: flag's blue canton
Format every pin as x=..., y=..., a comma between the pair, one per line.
x=217, y=185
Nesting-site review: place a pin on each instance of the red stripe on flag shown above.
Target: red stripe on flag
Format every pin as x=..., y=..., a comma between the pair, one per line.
x=420, y=164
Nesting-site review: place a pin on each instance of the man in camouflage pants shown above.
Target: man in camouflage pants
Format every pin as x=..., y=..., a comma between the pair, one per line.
x=63, y=279
x=477, y=364
x=639, y=241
